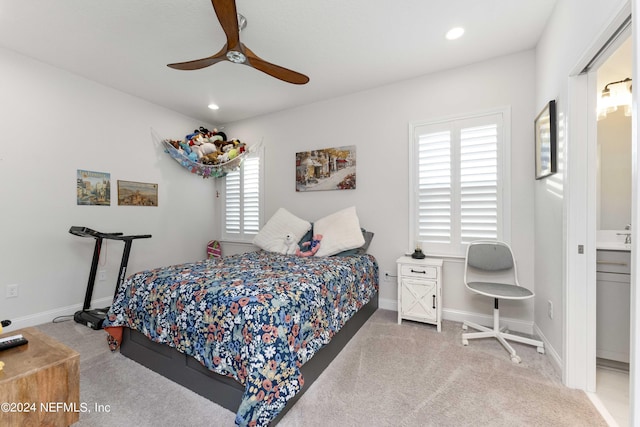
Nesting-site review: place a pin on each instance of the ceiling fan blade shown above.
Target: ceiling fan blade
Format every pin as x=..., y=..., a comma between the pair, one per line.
x=273, y=70
x=201, y=63
x=228, y=17
x=237, y=52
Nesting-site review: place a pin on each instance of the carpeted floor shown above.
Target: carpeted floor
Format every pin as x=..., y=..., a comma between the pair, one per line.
x=388, y=375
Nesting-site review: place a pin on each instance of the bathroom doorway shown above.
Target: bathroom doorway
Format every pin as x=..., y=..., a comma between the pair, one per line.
x=613, y=228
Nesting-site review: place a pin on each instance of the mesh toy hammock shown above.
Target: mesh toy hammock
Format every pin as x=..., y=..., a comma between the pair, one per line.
x=206, y=171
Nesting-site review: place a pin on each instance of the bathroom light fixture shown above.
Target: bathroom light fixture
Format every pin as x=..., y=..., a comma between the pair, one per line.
x=213, y=107
x=614, y=95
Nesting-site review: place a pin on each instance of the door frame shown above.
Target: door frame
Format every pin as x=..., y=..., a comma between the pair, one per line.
x=579, y=332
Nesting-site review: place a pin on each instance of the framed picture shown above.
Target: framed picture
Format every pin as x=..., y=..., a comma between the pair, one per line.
x=93, y=188
x=326, y=169
x=132, y=193
x=545, y=128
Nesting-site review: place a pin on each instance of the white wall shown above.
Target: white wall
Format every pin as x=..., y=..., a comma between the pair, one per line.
x=377, y=122
x=572, y=29
x=53, y=123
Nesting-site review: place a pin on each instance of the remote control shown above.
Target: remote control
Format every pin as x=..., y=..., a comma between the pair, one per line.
x=12, y=341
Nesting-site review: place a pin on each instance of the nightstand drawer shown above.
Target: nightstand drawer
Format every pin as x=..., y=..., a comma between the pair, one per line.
x=420, y=271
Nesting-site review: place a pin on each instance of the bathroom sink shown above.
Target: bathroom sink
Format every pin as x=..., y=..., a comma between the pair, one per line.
x=612, y=240
x=613, y=246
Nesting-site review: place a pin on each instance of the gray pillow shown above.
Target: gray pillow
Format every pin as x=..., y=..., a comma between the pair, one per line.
x=368, y=236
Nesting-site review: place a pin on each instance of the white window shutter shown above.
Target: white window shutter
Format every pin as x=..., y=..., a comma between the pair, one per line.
x=232, y=204
x=242, y=198
x=434, y=187
x=251, y=196
x=478, y=183
x=457, y=171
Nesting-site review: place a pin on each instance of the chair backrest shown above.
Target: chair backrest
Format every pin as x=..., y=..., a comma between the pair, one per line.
x=490, y=261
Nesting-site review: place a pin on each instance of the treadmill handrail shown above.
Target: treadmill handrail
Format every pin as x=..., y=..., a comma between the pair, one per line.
x=137, y=236
x=87, y=232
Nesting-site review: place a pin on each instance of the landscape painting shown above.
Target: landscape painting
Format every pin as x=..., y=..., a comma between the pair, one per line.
x=326, y=169
x=131, y=193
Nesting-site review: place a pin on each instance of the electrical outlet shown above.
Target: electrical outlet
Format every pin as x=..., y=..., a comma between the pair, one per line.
x=550, y=309
x=12, y=291
x=102, y=275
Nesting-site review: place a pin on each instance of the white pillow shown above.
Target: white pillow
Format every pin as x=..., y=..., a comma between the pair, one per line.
x=340, y=231
x=273, y=236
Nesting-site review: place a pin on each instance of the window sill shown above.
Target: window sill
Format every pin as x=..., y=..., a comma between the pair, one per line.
x=450, y=257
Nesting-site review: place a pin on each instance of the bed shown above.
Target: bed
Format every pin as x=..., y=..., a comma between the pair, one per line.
x=249, y=331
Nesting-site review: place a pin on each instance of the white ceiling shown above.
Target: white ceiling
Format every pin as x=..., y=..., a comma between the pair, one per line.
x=343, y=46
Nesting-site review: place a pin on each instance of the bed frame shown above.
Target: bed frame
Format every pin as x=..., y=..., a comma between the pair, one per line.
x=223, y=390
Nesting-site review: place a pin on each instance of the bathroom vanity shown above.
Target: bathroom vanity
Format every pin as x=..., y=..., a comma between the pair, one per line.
x=613, y=274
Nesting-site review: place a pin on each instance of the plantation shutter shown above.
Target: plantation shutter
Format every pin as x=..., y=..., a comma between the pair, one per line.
x=479, y=183
x=232, y=198
x=242, y=201
x=434, y=187
x=251, y=196
x=457, y=174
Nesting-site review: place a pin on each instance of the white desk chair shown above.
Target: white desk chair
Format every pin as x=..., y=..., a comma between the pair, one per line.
x=490, y=270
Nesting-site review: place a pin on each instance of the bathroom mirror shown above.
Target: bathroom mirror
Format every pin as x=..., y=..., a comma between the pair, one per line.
x=614, y=145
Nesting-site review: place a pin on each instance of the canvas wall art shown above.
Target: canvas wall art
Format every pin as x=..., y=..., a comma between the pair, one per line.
x=326, y=169
x=93, y=188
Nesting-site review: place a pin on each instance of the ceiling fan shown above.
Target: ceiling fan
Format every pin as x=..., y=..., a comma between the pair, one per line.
x=235, y=51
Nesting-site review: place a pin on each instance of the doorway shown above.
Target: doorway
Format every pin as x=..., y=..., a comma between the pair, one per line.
x=579, y=330
x=613, y=228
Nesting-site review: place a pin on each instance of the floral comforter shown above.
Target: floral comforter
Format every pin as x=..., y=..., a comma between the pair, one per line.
x=256, y=317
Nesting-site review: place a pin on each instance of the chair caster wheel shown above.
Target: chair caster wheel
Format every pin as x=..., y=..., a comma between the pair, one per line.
x=540, y=350
x=465, y=342
x=516, y=359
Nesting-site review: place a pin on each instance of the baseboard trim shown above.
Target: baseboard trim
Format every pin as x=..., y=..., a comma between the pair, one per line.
x=47, y=316
x=550, y=351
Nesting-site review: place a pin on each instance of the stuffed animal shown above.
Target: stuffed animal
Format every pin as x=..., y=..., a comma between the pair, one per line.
x=210, y=159
x=290, y=245
x=204, y=149
x=188, y=152
x=313, y=246
x=223, y=158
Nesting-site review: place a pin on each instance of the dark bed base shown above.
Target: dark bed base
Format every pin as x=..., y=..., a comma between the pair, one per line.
x=226, y=391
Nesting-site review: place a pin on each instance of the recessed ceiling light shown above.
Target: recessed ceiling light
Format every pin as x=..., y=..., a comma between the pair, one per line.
x=213, y=107
x=455, y=33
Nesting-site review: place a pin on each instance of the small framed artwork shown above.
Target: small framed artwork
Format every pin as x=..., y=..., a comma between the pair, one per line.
x=93, y=188
x=545, y=128
x=131, y=193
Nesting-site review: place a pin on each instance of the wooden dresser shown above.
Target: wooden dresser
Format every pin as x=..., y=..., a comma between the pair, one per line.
x=40, y=382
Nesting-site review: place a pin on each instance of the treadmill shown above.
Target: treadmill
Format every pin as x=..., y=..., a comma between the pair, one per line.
x=94, y=318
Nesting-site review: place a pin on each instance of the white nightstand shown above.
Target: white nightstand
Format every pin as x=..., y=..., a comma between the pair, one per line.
x=420, y=290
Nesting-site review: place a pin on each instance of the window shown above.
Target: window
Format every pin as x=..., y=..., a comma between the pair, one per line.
x=242, y=201
x=459, y=175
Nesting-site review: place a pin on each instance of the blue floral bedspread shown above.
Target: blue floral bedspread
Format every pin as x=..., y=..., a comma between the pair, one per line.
x=256, y=317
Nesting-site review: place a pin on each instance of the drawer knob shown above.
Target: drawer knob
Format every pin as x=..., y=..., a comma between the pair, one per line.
x=418, y=271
